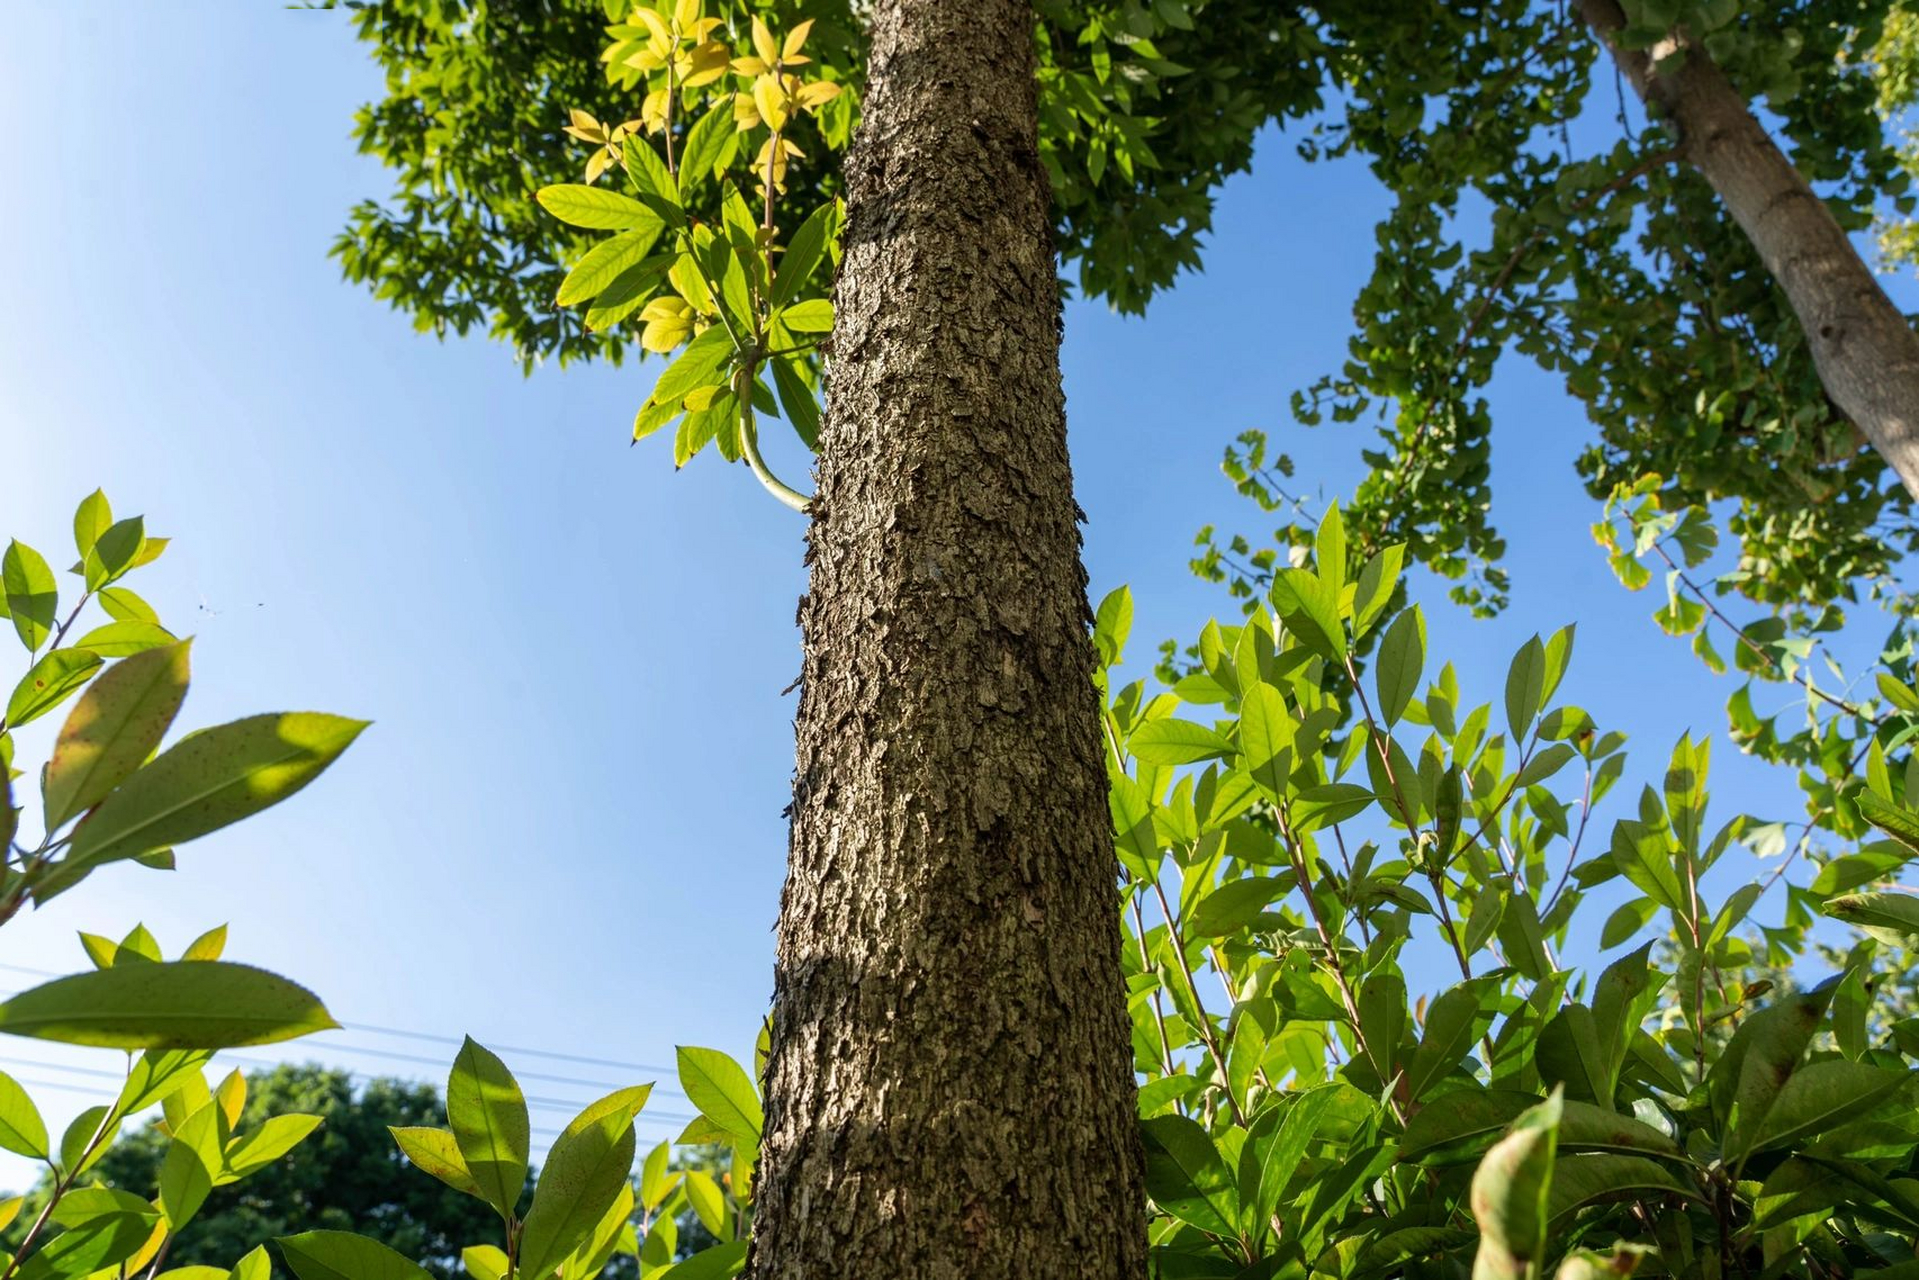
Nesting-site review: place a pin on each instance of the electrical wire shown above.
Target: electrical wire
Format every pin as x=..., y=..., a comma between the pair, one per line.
x=535, y=1102
x=373, y=1029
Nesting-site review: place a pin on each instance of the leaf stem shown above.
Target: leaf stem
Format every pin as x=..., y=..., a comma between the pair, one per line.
x=1192, y=988
x=750, y=450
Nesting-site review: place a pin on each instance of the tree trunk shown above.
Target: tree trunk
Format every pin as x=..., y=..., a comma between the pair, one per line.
x=1866, y=353
x=950, y=1086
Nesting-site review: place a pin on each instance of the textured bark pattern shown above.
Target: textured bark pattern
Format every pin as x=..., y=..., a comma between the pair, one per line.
x=1866, y=353
x=950, y=1088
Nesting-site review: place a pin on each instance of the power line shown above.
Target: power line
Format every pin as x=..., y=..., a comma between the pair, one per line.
x=533, y=1101
x=507, y=1048
x=371, y=1028
x=369, y=1051
x=541, y=1132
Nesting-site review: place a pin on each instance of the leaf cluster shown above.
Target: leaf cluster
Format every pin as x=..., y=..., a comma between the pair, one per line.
x=1307, y=845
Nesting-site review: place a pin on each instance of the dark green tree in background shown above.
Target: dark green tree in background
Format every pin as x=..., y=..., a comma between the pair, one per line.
x=350, y=1176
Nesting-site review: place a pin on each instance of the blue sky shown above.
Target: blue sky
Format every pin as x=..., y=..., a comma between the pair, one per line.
x=564, y=829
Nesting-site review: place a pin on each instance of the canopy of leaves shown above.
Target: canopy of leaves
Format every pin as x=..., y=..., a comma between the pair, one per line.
x=1145, y=110
x=1537, y=212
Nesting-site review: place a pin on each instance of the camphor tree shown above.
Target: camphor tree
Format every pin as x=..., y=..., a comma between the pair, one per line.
x=950, y=834
x=948, y=963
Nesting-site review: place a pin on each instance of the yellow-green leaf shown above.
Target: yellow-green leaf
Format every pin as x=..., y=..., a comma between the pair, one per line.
x=113, y=729
x=208, y=780
x=185, y=1004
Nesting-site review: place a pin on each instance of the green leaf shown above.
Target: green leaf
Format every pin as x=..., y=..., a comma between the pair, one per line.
x=1454, y=1127
x=1310, y=608
x=84, y=1134
x=1307, y=1112
x=1525, y=687
x=1171, y=742
x=184, y=1004
x=1892, y=918
x=52, y=681
x=158, y=1075
x=1382, y=1020
x=22, y=1131
x=1823, y=1095
x=342, y=1255
x=722, y=1091
x=1745, y=1081
x=709, y=1203
x=276, y=1136
x=803, y=253
x=1570, y=1053
x=1186, y=1176
x=702, y=425
x=592, y=1256
x=1899, y=694
x=1236, y=904
x=710, y=145
x=1580, y=1179
x=716, y=1263
x=1629, y=918
x=139, y=943
x=92, y=518
x=33, y=597
x=208, y=946
x=601, y=265
x=1401, y=662
x=1329, y=550
x=123, y=605
x=585, y=1171
x=1509, y=1193
x=1453, y=1021
x=1377, y=581
x=117, y=551
x=594, y=207
x=1558, y=652
x=103, y=1228
x=124, y=639
x=1545, y=763
x=647, y=171
x=1112, y=624
x=812, y=315
x=630, y=291
x=1266, y=735
x=436, y=1151
x=192, y=1159
x=102, y=951
x=797, y=402
x=1899, y=823
x=484, y=1261
x=255, y=1265
x=113, y=729
x=698, y=366
x=487, y=1113
x=204, y=782
x=1333, y=803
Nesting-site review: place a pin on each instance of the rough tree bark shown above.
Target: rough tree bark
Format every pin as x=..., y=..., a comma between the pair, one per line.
x=1866, y=353
x=950, y=1089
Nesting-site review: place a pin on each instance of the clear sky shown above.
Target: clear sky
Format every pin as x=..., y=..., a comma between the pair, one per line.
x=564, y=830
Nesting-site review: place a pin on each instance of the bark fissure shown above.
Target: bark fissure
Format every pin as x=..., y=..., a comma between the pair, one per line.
x=1866, y=353
x=949, y=1091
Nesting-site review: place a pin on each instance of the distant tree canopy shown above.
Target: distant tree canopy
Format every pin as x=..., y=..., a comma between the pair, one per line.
x=349, y=1175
